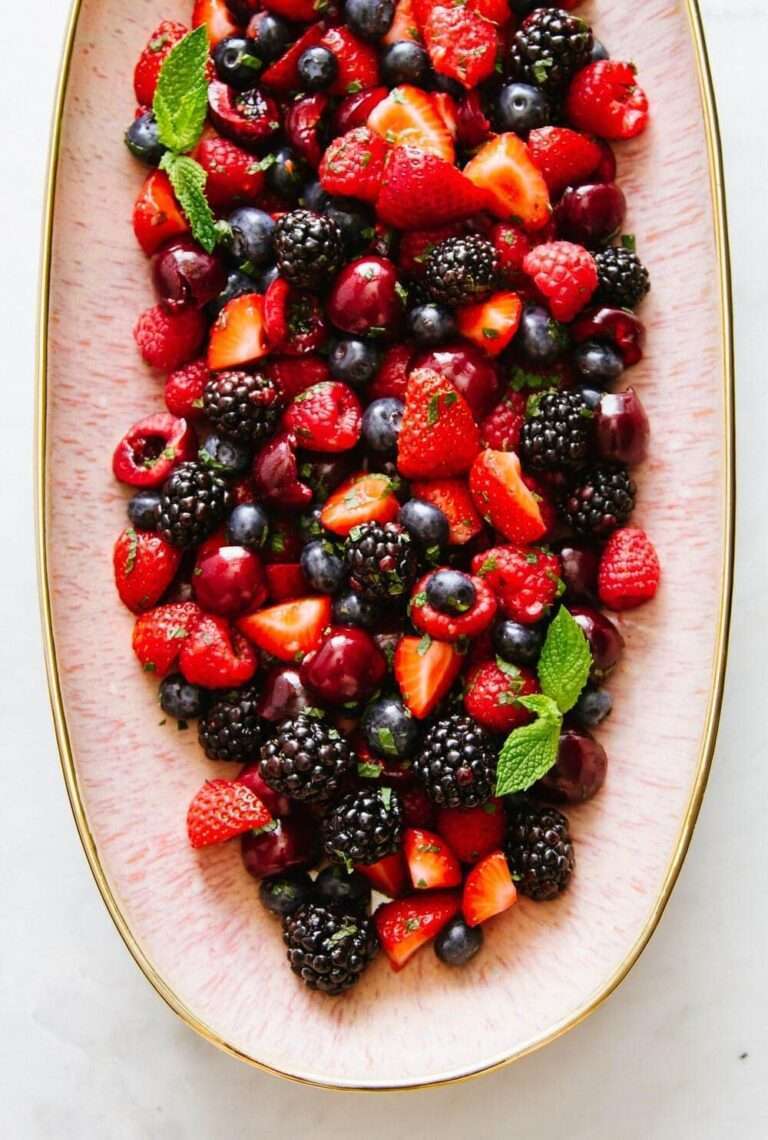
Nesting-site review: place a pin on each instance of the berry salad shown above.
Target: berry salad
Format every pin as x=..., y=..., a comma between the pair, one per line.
x=374, y=531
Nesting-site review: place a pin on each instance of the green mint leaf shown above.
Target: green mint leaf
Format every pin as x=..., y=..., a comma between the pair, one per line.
x=369, y=771
x=181, y=97
x=385, y=795
x=629, y=242
x=342, y=933
x=386, y=740
x=133, y=549
x=424, y=645
x=565, y=661
x=529, y=752
x=188, y=180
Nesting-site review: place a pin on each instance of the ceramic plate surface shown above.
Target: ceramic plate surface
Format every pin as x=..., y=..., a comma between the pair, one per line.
x=192, y=920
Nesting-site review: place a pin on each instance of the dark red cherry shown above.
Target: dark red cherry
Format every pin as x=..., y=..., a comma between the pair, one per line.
x=278, y=806
x=294, y=842
x=303, y=126
x=606, y=167
x=472, y=126
x=620, y=328
x=185, y=275
x=353, y=111
x=276, y=474
x=246, y=117
x=621, y=427
x=579, y=563
x=470, y=371
x=591, y=215
x=347, y=667
x=578, y=772
x=230, y=580
x=366, y=297
x=605, y=641
x=282, y=695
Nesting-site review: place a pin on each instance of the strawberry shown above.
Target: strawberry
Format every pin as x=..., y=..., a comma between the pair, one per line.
x=283, y=74
x=224, y=809
x=327, y=417
x=217, y=18
x=184, y=390
x=294, y=376
x=431, y=863
x=488, y=890
x=389, y=876
x=285, y=581
x=497, y=11
x=406, y=925
x=629, y=570
x=438, y=435
x=158, y=635
x=276, y=310
x=289, y=630
x=422, y=190
x=472, y=832
x=452, y=497
x=511, y=244
x=415, y=247
x=156, y=214
x=514, y=186
x=410, y=117
x=425, y=671
x=392, y=377
x=604, y=99
x=404, y=25
x=461, y=43
x=491, y=694
x=145, y=565
x=543, y=494
x=500, y=430
x=357, y=61
x=363, y=498
x=525, y=580
x=446, y=107
x=492, y=323
x=502, y=497
x=160, y=45
x=168, y=340
x=563, y=156
x=238, y=336
x=565, y=274
x=354, y=164
x=234, y=174
x=215, y=656
x=452, y=627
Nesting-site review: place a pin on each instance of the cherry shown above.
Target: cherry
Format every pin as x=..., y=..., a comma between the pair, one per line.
x=621, y=427
x=469, y=370
x=229, y=581
x=365, y=297
x=578, y=772
x=294, y=842
x=472, y=126
x=185, y=275
x=276, y=804
x=579, y=563
x=353, y=111
x=606, y=167
x=282, y=695
x=620, y=328
x=605, y=641
x=276, y=474
x=347, y=667
x=246, y=117
x=591, y=215
x=304, y=126
x=149, y=451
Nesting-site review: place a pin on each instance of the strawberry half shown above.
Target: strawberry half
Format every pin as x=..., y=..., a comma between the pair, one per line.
x=472, y=832
x=363, y=498
x=563, y=156
x=421, y=191
x=514, y=185
x=411, y=117
x=156, y=214
x=452, y=497
x=215, y=656
x=353, y=165
x=425, y=671
x=431, y=863
x=488, y=890
x=216, y=16
x=404, y=26
x=158, y=635
x=502, y=497
x=357, y=61
x=404, y=926
x=438, y=435
x=145, y=565
x=491, y=324
x=238, y=336
x=290, y=630
x=327, y=418
x=389, y=876
x=224, y=809
x=461, y=43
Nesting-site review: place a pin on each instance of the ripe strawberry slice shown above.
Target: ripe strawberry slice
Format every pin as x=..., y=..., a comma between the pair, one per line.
x=502, y=497
x=563, y=156
x=215, y=656
x=472, y=832
x=358, y=62
x=389, y=876
x=491, y=695
x=404, y=926
x=294, y=376
x=392, y=377
x=223, y=809
x=327, y=417
x=410, y=117
x=234, y=175
x=145, y=565
x=515, y=186
x=159, y=46
x=353, y=164
x=461, y=43
x=404, y=25
x=276, y=310
x=283, y=74
x=452, y=497
x=438, y=435
x=425, y=671
x=488, y=890
x=363, y=498
x=216, y=16
x=605, y=100
x=431, y=863
x=421, y=190
x=491, y=324
x=156, y=214
x=158, y=635
x=289, y=630
x=526, y=580
x=452, y=627
x=238, y=336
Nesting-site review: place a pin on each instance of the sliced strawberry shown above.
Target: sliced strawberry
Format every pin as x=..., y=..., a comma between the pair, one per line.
x=489, y=889
x=156, y=214
x=563, y=156
x=461, y=43
x=452, y=627
x=238, y=335
x=217, y=18
x=158, y=635
x=294, y=376
x=502, y=497
x=431, y=863
x=215, y=656
x=446, y=107
x=357, y=61
x=389, y=876
x=438, y=435
x=408, y=924
x=425, y=671
x=276, y=310
x=363, y=498
x=327, y=417
x=145, y=565
x=159, y=46
x=404, y=25
x=223, y=809
x=283, y=74
x=421, y=190
x=353, y=164
x=289, y=630
x=503, y=168
x=491, y=324
x=472, y=832
x=452, y=497
x=392, y=377
x=286, y=581
x=276, y=474
x=605, y=100
x=410, y=117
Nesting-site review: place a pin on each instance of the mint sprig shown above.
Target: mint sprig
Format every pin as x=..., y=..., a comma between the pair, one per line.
x=565, y=661
x=188, y=180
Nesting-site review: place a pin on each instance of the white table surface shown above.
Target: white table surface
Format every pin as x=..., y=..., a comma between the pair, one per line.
x=87, y=1048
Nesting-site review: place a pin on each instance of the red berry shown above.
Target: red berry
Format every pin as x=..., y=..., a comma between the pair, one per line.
x=184, y=389
x=501, y=429
x=412, y=117
x=363, y=498
x=461, y=43
x=223, y=809
x=250, y=118
x=452, y=497
x=159, y=635
x=289, y=630
x=579, y=771
x=353, y=164
x=229, y=580
x=389, y=876
x=492, y=323
x=407, y=924
x=276, y=804
x=285, y=581
x=604, y=98
x=186, y=276
x=215, y=656
x=422, y=190
x=145, y=565
x=525, y=580
x=591, y=215
x=357, y=61
x=168, y=340
x=293, y=376
x=283, y=74
x=156, y=214
x=293, y=843
x=424, y=671
x=452, y=627
x=472, y=832
x=512, y=244
x=621, y=427
x=327, y=418
x=489, y=889
x=238, y=335
x=563, y=156
x=276, y=474
x=159, y=46
x=392, y=377
x=565, y=274
x=282, y=695
x=150, y=450
x=348, y=666
x=619, y=327
x=216, y=16
x=366, y=297
x=304, y=126
x=469, y=371
x=514, y=187
x=438, y=435
x=629, y=570
x=354, y=109
x=491, y=695
x=502, y=497
x=234, y=175
x=431, y=863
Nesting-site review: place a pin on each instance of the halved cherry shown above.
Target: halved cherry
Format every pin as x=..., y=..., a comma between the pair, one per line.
x=619, y=327
x=431, y=863
x=489, y=889
x=425, y=670
x=303, y=123
x=238, y=336
x=247, y=117
x=276, y=474
x=150, y=450
x=156, y=214
x=363, y=498
x=289, y=630
x=353, y=110
x=306, y=328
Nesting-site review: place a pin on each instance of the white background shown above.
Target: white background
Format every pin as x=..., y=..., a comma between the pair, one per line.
x=87, y=1048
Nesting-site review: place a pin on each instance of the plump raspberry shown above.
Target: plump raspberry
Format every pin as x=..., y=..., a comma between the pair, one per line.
x=605, y=100
x=354, y=164
x=450, y=627
x=512, y=245
x=501, y=429
x=184, y=390
x=565, y=274
x=392, y=377
x=234, y=175
x=169, y=340
x=629, y=570
x=491, y=695
x=525, y=580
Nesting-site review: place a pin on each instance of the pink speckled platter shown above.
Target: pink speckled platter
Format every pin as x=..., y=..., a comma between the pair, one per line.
x=192, y=920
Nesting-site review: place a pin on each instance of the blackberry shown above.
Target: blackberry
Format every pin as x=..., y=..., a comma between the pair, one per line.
x=557, y=434
x=306, y=759
x=328, y=949
x=538, y=849
x=548, y=47
x=457, y=764
x=380, y=560
x=194, y=502
x=308, y=247
x=364, y=826
x=232, y=729
x=599, y=500
x=461, y=269
x=242, y=405
x=623, y=280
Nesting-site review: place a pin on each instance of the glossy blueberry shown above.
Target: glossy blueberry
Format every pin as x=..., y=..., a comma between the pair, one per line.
x=389, y=729
x=288, y=174
x=227, y=456
x=271, y=37
x=179, y=699
x=315, y=198
x=237, y=284
x=143, y=139
x=451, y=592
x=323, y=570
x=252, y=237
x=426, y=524
x=591, y=397
x=405, y=62
x=336, y=886
x=285, y=892
x=381, y=423
x=592, y=707
x=540, y=337
x=369, y=19
x=237, y=62
x=521, y=108
x=317, y=68
x=354, y=361
x=431, y=324
x=457, y=943
x=519, y=644
x=248, y=526
x=598, y=364
x=352, y=609
x=144, y=509
x=355, y=221
x=599, y=52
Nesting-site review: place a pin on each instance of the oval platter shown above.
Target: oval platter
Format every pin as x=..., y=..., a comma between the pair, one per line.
x=191, y=920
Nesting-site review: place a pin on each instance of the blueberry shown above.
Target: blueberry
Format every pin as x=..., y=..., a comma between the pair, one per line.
x=599, y=52
x=381, y=423
x=540, y=337
x=143, y=139
x=252, y=237
x=457, y=943
x=227, y=456
x=323, y=569
x=355, y=222
x=248, y=525
x=426, y=524
x=336, y=886
x=179, y=699
x=237, y=62
x=521, y=108
x=354, y=361
x=271, y=36
x=317, y=68
x=448, y=86
x=285, y=892
x=592, y=707
x=353, y=609
x=451, y=592
x=405, y=62
x=237, y=284
x=591, y=397
x=597, y=363
x=315, y=198
x=517, y=643
x=288, y=174
x=431, y=324
x=389, y=729
x=144, y=509
x=370, y=19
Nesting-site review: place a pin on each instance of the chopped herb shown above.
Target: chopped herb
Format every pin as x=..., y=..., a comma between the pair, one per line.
x=342, y=933
x=424, y=645
x=133, y=549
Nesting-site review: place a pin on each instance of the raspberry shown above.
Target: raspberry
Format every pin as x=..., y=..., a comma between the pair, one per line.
x=392, y=377
x=629, y=570
x=566, y=275
x=491, y=695
x=525, y=579
x=354, y=164
x=604, y=100
x=169, y=340
x=501, y=429
x=234, y=175
x=184, y=390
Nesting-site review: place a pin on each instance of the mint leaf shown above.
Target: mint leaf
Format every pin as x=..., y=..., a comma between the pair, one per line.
x=529, y=752
x=188, y=180
x=565, y=661
x=181, y=96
